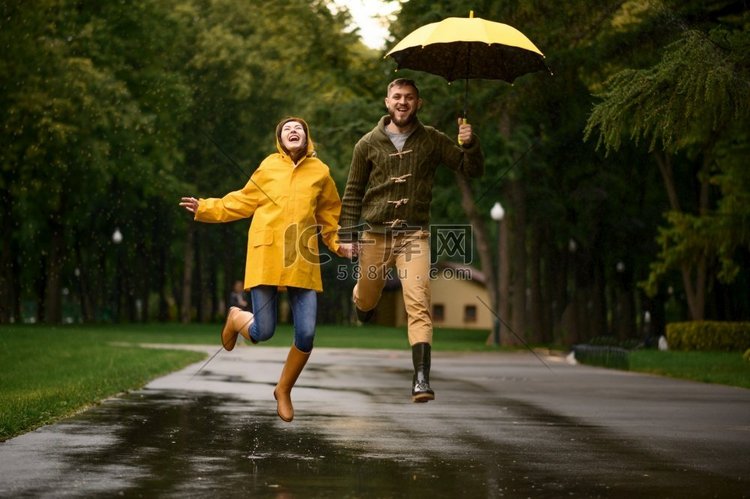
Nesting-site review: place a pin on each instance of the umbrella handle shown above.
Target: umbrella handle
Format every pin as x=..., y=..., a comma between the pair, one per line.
x=463, y=122
x=466, y=93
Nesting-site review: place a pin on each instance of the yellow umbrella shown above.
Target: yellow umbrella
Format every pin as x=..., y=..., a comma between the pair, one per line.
x=468, y=47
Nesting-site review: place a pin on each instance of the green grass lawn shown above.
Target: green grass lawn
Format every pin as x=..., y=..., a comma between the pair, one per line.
x=726, y=368
x=208, y=334
x=47, y=373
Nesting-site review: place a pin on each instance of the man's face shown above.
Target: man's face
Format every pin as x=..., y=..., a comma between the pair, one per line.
x=402, y=104
x=293, y=136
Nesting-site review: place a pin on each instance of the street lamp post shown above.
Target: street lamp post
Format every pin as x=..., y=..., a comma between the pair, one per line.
x=117, y=239
x=497, y=213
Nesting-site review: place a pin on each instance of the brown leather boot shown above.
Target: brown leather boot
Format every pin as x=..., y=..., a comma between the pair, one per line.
x=295, y=362
x=238, y=322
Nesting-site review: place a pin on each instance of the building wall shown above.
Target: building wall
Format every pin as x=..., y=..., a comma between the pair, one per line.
x=453, y=294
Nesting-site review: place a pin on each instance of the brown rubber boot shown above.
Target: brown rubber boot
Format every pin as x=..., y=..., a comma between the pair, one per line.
x=295, y=362
x=238, y=322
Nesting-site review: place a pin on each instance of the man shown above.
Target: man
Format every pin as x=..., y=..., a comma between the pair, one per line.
x=388, y=194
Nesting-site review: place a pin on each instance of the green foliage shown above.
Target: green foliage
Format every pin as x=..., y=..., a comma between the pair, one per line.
x=708, y=336
x=691, y=103
x=110, y=111
x=697, y=89
x=718, y=235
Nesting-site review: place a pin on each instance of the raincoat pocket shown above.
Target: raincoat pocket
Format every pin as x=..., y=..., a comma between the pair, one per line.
x=262, y=238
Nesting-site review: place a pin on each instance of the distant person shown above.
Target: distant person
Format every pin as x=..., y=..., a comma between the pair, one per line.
x=291, y=198
x=388, y=192
x=237, y=296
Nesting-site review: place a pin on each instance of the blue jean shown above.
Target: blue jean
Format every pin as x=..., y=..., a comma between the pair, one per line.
x=304, y=304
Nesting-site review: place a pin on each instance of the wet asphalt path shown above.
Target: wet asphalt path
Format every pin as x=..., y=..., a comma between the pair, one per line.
x=503, y=425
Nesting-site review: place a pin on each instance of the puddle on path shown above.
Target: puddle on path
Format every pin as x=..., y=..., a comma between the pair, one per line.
x=170, y=444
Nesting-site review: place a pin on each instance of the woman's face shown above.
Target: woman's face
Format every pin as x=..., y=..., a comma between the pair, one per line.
x=293, y=136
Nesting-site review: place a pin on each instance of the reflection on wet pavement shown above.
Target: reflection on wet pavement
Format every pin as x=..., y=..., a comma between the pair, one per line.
x=158, y=444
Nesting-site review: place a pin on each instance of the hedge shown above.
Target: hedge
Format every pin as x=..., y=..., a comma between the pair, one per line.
x=602, y=355
x=709, y=336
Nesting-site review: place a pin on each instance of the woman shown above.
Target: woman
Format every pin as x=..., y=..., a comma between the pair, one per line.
x=291, y=198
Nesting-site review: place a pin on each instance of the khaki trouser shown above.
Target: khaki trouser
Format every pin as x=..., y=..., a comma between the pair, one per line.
x=410, y=253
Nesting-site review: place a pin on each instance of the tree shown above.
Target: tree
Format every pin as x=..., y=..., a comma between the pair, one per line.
x=85, y=143
x=691, y=107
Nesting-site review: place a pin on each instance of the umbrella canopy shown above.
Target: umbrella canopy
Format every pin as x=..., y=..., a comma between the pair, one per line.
x=468, y=47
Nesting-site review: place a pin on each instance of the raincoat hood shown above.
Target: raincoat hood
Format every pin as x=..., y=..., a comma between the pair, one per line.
x=310, y=146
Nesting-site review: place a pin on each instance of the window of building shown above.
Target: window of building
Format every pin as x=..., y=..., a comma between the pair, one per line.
x=438, y=312
x=470, y=313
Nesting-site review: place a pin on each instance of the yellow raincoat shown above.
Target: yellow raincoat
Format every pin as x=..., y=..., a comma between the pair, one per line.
x=290, y=204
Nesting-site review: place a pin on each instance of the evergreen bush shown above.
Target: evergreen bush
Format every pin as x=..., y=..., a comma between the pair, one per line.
x=709, y=336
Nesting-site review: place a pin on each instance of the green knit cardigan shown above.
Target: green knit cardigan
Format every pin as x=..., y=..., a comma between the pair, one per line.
x=391, y=189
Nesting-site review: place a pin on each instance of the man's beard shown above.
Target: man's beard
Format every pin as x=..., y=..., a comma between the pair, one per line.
x=410, y=119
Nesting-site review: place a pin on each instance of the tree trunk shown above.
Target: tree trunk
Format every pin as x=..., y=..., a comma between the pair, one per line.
x=694, y=277
x=518, y=261
x=212, y=266
x=9, y=302
x=574, y=317
x=504, y=284
x=558, y=264
x=143, y=285
x=481, y=237
x=98, y=279
x=546, y=286
x=118, y=287
x=162, y=313
x=187, y=276
x=598, y=302
x=145, y=311
x=623, y=313
x=84, y=288
x=9, y=292
x=702, y=267
x=7, y=274
x=131, y=273
x=10, y=289
x=232, y=271
x=667, y=173
x=536, y=312
x=200, y=277
x=53, y=284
